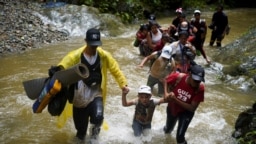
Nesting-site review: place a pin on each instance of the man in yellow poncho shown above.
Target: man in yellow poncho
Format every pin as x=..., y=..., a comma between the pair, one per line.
x=90, y=93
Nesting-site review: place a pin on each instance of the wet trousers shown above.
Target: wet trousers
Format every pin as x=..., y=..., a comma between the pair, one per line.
x=93, y=112
x=144, y=49
x=138, y=128
x=183, y=122
x=153, y=81
x=216, y=35
x=198, y=43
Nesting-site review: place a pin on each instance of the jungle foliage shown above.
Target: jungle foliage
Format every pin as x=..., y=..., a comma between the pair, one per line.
x=130, y=10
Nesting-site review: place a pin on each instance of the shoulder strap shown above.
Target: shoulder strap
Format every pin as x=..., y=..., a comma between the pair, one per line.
x=180, y=76
x=176, y=44
x=202, y=22
x=192, y=20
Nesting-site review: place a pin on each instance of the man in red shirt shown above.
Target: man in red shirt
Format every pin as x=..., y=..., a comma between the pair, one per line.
x=184, y=92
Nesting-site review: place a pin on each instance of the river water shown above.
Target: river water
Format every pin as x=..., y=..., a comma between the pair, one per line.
x=212, y=124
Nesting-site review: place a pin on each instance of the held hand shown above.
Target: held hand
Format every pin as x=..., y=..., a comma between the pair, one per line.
x=170, y=96
x=140, y=66
x=53, y=69
x=188, y=45
x=125, y=90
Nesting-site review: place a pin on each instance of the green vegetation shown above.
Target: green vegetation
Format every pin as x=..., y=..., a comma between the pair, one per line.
x=129, y=10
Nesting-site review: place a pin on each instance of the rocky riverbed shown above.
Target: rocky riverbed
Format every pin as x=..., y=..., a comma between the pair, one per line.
x=21, y=29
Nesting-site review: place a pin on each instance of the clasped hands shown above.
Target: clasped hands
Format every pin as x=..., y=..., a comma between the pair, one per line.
x=125, y=90
x=169, y=96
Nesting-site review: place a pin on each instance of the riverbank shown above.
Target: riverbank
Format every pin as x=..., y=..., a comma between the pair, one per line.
x=22, y=30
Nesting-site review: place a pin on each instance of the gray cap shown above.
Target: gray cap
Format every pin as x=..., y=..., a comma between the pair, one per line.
x=197, y=72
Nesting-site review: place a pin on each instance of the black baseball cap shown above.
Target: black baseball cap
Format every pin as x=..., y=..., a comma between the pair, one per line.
x=152, y=17
x=197, y=73
x=183, y=32
x=93, y=37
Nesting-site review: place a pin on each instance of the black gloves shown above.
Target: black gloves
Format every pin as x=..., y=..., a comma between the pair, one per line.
x=53, y=70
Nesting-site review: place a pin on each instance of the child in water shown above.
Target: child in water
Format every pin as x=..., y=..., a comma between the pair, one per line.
x=145, y=106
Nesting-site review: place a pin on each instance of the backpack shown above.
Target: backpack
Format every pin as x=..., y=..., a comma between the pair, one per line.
x=186, y=51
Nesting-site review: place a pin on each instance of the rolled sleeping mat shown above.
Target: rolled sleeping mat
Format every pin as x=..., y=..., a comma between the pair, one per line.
x=34, y=87
x=72, y=75
x=58, y=80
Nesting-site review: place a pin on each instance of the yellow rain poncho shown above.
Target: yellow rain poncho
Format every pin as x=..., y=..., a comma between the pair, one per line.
x=107, y=63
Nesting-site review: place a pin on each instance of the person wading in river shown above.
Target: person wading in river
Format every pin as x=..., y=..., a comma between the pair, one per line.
x=200, y=34
x=184, y=92
x=144, y=110
x=161, y=67
x=183, y=53
x=90, y=94
x=219, y=26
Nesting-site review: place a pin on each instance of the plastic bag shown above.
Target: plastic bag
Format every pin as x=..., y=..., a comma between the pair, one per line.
x=136, y=42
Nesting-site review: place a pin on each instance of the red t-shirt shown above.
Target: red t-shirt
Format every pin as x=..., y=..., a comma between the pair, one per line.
x=140, y=35
x=184, y=93
x=159, y=46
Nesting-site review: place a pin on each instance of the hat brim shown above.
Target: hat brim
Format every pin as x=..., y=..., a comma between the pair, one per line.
x=94, y=43
x=197, y=78
x=165, y=56
x=144, y=92
x=184, y=28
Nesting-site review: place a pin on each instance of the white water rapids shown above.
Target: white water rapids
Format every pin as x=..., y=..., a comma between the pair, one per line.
x=213, y=122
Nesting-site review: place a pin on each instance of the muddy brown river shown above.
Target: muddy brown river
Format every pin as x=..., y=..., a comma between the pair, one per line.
x=213, y=122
